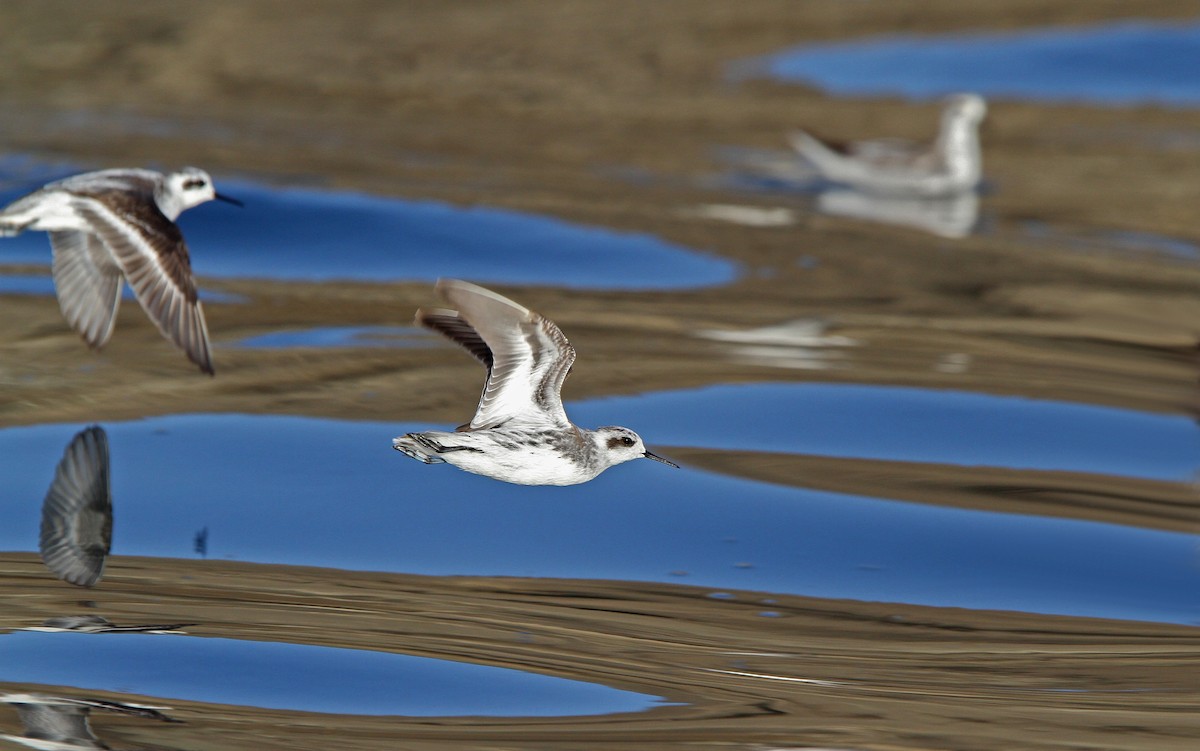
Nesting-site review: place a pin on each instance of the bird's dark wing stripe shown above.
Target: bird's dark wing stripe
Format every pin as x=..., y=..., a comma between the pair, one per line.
x=155, y=263
x=450, y=325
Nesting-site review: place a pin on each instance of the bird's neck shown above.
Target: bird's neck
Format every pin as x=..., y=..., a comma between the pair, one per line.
x=958, y=133
x=169, y=203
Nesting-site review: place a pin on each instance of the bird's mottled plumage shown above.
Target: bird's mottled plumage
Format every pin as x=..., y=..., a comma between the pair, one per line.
x=77, y=512
x=118, y=225
x=520, y=432
x=950, y=165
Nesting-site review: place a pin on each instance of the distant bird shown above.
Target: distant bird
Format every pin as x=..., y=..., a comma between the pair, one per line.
x=115, y=225
x=952, y=164
x=520, y=432
x=77, y=512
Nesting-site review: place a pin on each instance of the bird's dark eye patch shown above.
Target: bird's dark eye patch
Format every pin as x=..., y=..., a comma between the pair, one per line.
x=193, y=183
x=627, y=441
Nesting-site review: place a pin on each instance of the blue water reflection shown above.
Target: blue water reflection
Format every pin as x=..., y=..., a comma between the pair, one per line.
x=310, y=235
x=341, y=336
x=299, y=677
x=1120, y=63
x=41, y=285
x=26, y=284
x=911, y=424
x=333, y=493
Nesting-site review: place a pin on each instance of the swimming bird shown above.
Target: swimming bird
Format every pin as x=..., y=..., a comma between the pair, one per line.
x=118, y=225
x=520, y=432
x=952, y=164
x=77, y=513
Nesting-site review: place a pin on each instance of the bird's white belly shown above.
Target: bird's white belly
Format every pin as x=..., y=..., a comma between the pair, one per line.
x=534, y=465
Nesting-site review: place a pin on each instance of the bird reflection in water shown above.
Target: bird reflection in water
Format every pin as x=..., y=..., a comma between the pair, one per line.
x=804, y=344
x=77, y=514
x=59, y=722
x=98, y=624
x=945, y=216
x=76, y=534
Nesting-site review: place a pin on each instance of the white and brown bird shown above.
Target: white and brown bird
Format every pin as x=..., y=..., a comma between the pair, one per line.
x=116, y=226
x=520, y=432
x=951, y=164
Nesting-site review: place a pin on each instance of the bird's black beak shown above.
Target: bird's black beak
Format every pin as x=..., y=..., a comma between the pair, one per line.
x=227, y=199
x=658, y=458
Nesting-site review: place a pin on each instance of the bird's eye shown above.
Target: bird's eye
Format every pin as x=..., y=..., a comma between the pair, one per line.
x=192, y=184
x=627, y=441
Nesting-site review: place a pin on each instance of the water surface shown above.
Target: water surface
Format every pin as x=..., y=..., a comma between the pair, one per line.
x=349, y=501
x=296, y=234
x=1123, y=63
x=298, y=677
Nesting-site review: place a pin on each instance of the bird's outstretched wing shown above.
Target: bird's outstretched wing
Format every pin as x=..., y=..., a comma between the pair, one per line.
x=154, y=260
x=526, y=354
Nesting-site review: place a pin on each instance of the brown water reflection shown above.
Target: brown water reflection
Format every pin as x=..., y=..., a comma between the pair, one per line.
x=822, y=672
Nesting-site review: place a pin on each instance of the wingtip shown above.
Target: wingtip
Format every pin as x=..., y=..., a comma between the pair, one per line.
x=202, y=361
x=467, y=296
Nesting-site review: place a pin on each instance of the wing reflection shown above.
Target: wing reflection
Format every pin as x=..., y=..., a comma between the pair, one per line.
x=803, y=343
x=56, y=722
x=77, y=513
x=946, y=216
x=98, y=624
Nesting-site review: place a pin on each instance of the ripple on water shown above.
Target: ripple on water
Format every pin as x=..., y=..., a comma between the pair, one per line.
x=296, y=234
x=349, y=501
x=300, y=677
x=1118, y=63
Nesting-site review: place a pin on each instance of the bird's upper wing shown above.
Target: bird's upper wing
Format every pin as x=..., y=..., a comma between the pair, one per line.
x=527, y=356
x=888, y=151
x=88, y=281
x=76, y=530
x=154, y=259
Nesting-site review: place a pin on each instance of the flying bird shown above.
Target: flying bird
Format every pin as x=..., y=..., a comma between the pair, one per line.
x=520, y=432
x=116, y=226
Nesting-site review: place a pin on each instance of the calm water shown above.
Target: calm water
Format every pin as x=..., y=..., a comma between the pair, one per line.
x=1122, y=64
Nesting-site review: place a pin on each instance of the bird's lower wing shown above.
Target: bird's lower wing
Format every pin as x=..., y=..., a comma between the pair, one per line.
x=88, y=282
x=155, y=262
